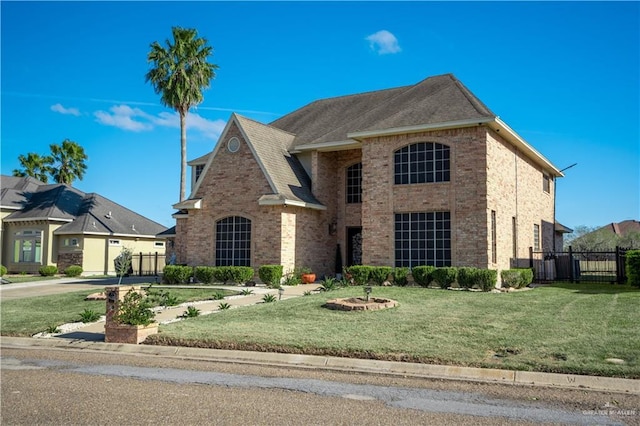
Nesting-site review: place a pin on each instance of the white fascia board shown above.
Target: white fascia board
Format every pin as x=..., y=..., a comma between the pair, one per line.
x=328, y=146
x=291, y=203
x=31, y=219
x=104, y=234
x=190, y=204
x=10, y=207
x=420, y=128
x=500, y=126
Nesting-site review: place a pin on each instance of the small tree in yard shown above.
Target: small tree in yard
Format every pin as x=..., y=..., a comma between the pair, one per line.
x=123, y=263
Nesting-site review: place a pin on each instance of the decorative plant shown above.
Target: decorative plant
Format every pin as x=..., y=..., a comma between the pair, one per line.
x=191, y=312
x=329, y=283
x=89, y=316
x=400, y=276
x=423, y=275
x=52, y=329
x=224, y=306
x=246, y=292
x=123, y=263
x=268, y=298
x=218, y=296
x=380, y=274
x=271, y=275
x=135, y=309
x=3, y=270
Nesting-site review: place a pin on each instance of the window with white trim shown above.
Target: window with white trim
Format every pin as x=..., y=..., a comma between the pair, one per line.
x=70, y=242
x=158, y=244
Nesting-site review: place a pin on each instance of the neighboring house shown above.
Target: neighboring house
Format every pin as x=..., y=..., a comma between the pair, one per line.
x=624, y=234
x=60, y=225
x=421, y=174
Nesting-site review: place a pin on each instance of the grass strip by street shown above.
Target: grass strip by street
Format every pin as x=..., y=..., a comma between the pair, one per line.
x=26, y=317
x=16, y=279
x=563, y=328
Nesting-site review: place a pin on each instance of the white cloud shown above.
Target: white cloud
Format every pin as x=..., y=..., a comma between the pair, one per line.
x=136, y=120
x=123, y=117
x=62, y=110
x=383, y=42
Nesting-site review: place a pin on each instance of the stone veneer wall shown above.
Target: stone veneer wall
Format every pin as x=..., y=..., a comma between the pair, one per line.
x=68, y=259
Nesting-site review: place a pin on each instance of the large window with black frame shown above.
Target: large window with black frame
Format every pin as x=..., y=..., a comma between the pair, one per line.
x=423, y=238
x=233, y=241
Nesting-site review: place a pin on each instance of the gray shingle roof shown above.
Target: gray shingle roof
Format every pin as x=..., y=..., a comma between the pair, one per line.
x=13, y=189
x=438, y=99
x=86, y=213
x=284, y=170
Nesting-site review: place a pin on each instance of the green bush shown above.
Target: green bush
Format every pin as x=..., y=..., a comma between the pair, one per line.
x=633, y=267
x=516, y=278
x=204, y=274
x=527, y=276
x=511, y=278
x=486, y=279
x=3, y=271
x=445, y=276
x=235, y=274
x=380, y=274
x=467, y=277
x=271, y=275
x=73, y=271
x=359, y=273
x=48, y=270
x=135, y=309
x=400, y=276
x=176, y=274
x=292, y=278
x=89, y=315
x=423, y=274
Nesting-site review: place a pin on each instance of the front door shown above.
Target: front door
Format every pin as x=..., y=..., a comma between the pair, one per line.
x=354, y=245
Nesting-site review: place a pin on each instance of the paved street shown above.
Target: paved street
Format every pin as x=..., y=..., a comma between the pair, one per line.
x=48, y=386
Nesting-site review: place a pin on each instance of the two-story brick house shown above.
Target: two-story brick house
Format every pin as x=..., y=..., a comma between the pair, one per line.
x=421, y=174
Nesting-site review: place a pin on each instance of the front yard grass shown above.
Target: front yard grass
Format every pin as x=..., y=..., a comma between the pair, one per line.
x=28, y=316
x=565, y=328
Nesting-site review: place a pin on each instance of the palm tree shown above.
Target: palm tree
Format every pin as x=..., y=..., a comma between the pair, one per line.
x=35, y=166
x=68, y=162
x=180, y=72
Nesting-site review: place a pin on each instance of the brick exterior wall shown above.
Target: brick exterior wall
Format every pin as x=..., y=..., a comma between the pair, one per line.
x=487, y=174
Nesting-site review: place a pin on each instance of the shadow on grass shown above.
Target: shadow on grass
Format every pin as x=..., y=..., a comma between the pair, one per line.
x=83, y=335
x=596, y=288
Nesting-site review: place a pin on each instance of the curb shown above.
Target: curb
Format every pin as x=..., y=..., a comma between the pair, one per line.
x=447, y=372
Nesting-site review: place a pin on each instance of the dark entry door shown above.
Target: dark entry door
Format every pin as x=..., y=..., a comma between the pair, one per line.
x=354, y=245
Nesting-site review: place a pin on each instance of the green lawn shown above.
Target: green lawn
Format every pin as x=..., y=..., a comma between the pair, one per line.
x=26, y=317
x=569, y=328
x=28, y=278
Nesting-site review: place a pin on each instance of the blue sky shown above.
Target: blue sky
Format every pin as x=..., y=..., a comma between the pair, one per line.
x=565, y=76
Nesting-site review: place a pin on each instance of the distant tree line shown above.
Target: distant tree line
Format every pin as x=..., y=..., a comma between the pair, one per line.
x=585, y=238
x=64, y=164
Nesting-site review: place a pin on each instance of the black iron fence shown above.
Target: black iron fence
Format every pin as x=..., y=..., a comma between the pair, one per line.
x=147, y=263
x=577, y=266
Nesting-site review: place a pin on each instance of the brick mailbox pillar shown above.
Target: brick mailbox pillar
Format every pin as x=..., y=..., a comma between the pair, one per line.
x=114, y=332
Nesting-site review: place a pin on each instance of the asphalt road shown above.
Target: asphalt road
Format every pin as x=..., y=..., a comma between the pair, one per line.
x=48, y=386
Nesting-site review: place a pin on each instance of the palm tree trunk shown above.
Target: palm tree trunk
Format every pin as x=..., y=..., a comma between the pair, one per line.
x=183, y=154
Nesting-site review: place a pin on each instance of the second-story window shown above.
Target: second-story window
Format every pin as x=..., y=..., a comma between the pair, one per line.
x=354, y=184
x=422, y=163
x=198, y=170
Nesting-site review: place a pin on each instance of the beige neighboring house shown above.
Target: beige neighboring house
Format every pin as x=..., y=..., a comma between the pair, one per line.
x=423, y=174
x=59, y=225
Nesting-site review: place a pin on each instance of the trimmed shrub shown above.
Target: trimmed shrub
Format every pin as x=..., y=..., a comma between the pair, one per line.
x=445, y=276
x=235, y=274
x=176, y=274
x=423, y=275
x=359, y=273
x=400, y=276
x=467, y=277
x=380, y=274
x=204, y=274
x=516, y=278
x=3, y=270
x=73, y=271
x=48, y=270
x=486, y=279
x=527, y=276
x=633, y=267
x=271, y=275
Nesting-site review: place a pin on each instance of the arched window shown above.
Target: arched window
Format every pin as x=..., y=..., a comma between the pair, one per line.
x=354, y=184
x=421, y=163
x=233, y=241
